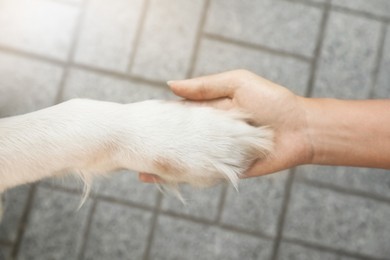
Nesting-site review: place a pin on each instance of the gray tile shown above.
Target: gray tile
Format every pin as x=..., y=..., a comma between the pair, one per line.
x=297, y=252
x=375, y=181
x=257, y=205
x=199, y=203
x=117, y=233
x=107, y=33
x=42, y=27
x=26, y=85
x=217, y=57
x=198, y=241
x=276, y=24
x=69, y=181
x=55, y=228
x=348, y=57
x=338, y=221
x=377, y=7
x=167, y=41
x=84, y=84
x=125, y=185
x=16, y=200
x=382, y=89
x=122, y=185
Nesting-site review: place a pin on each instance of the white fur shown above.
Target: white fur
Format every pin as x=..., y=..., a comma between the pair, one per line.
x=175, y=140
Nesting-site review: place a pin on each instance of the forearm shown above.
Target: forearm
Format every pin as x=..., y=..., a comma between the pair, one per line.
x=350, y=133
x=67, y=137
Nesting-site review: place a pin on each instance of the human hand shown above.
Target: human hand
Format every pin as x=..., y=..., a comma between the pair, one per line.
x=268, y=103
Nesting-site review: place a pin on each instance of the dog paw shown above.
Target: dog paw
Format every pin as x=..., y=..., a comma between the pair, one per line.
x=198, y=145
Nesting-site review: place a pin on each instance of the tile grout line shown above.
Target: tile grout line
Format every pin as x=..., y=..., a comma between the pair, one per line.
x=153, y=226
x=119, y=75
x=87, y=229
x=359, y=13
x=318, y=184
x=24, y=221
x=72, y=51
x=342, y=9
x=328, y=249
x=105, y=72
x=57, y=62
x=97, y=196
x=257, y=47
x=309, y=92
x=168, y=213
x=306, y=3
x=227, y=227
x=138, y=34
x=378, y=59
x=125, y=203
x=31, y=56
x=318, y=49
x=221, y=204
x=283, y=214
x=195, y=51
x=344, y=191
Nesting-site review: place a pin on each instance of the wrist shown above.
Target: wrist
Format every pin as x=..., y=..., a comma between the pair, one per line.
x=331, y=131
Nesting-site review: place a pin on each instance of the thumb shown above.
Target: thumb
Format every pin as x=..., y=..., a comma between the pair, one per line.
x=204, y=88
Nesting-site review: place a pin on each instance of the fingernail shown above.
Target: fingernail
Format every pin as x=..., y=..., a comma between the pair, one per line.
x=170, y=82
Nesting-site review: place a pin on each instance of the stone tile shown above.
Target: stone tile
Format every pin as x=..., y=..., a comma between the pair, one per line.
x=297, y=252
x=339, y=221
x=125, y=185
x=84, y=84
x=275, y=24
x=215, y=57
x=16, y=200
x=257, y=205
x=377, y=7
x=348, y=58
x=117, y=233
x=375, y=181
x=55, y=228
x=199, y=203
x=69, y=181
x=107, y=33
x=26, y=85
x=382, y=89
x=198, y=241
x=168, y=38
x=42, y=27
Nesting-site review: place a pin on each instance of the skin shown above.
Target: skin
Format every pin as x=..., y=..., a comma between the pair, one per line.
x=307, y=130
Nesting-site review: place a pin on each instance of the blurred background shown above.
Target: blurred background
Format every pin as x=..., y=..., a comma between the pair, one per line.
x=125, y=51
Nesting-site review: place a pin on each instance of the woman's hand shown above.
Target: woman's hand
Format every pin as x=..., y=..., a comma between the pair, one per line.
x=268, y=103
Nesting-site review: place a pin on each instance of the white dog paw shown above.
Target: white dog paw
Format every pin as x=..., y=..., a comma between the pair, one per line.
x=193, y=144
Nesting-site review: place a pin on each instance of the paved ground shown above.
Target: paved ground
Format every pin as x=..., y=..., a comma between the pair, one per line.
x=124, y=50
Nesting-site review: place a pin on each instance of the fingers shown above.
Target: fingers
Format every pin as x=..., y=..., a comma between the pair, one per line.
x=220, y=103
x=271, y=164
x=262, y=168
x=205, y=88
